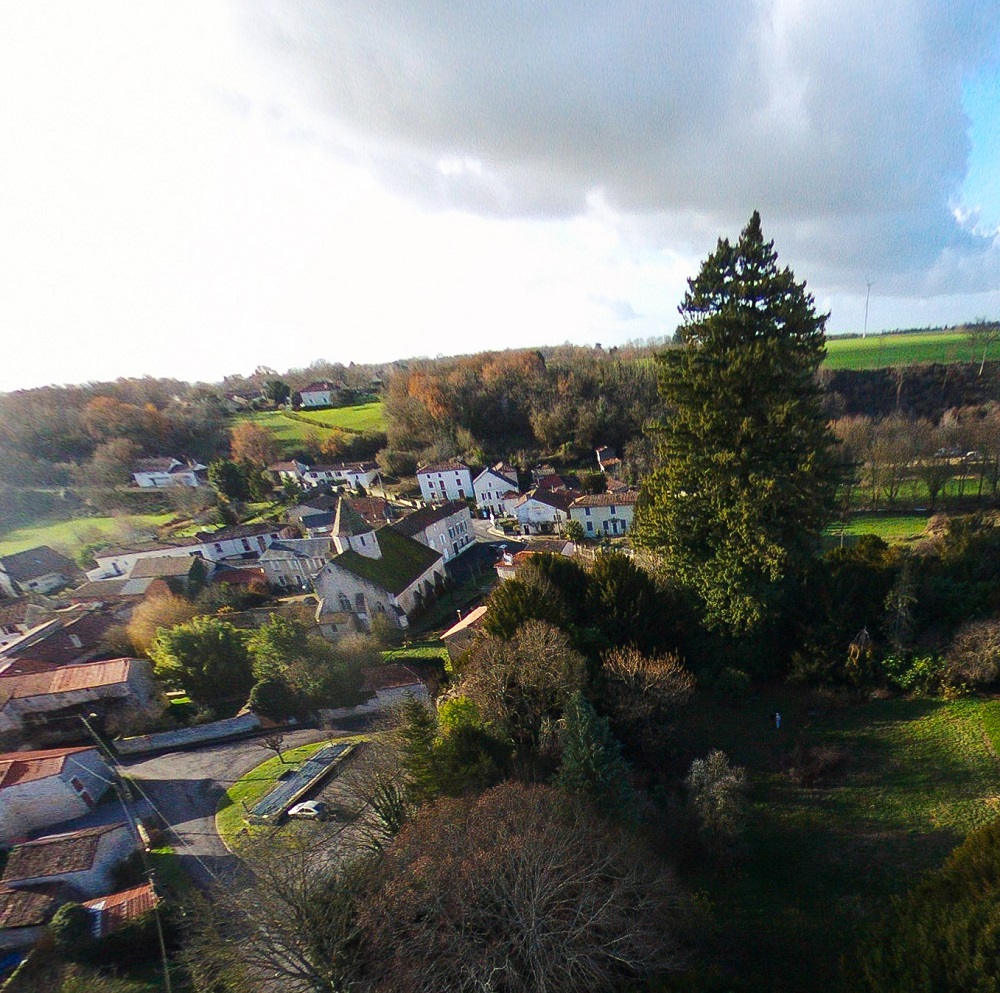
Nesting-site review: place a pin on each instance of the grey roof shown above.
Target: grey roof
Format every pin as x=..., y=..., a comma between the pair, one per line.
x=35, y=562
x=297, y=548
x=348, y=521
x=162, y=565
x=416, y=522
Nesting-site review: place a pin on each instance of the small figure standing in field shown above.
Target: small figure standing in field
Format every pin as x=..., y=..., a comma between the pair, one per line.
x=777, y=719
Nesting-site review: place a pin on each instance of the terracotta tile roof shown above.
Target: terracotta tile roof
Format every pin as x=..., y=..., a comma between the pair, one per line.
x=57, y=854
x=473, y=619
x=416, y=522
x=559, y=499
x=618, y=499
x=375, y=510
x=64, y=679
x=117, y=909
x=238, y=577
x=162, y=565
x=34, y=563
x=26, y=767
x=24, y=908
x=443, y=467
x=22, y=667
x=551, y=482
x=389, y=676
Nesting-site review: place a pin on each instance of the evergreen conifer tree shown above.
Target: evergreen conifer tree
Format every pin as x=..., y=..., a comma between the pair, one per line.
x=746, y=477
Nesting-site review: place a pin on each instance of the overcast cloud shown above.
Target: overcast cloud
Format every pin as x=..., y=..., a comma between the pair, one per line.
x=843, y=123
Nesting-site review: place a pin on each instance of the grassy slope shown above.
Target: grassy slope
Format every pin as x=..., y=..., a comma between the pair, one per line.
x=823, y=859
x=292, y=432
x=876, y=351
x=68, y=536
x=893, y=528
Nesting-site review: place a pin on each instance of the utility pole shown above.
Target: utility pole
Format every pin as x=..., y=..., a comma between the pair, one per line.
x=864, y=334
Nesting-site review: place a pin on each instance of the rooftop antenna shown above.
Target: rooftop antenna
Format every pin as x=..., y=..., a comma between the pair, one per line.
x=868, y=283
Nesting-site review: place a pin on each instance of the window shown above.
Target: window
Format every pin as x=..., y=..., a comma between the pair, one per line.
x=590, y=525
x=359, y=602
x=246, y=545
x=362, y=537
x=218, y=547
x=586, y=510
x=612, y=510
x=76, y=784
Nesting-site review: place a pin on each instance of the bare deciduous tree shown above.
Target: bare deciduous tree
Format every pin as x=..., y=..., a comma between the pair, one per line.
x=974, y=654
x=520, y=890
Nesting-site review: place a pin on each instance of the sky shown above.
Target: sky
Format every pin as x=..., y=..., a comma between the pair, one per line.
x=195, y=189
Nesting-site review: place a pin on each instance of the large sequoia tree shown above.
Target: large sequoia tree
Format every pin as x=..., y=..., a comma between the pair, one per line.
x=746, y=475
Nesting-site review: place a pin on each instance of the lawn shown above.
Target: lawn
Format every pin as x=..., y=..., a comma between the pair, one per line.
x=893, y=528
x=295, y=431
x=418, y=651
x=877, y=351
x=68, y=536
x=902, y=782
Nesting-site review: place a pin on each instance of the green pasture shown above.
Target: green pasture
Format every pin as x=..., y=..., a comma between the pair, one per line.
x=68, y=536
x=296, y=429
x=850, y=802
x=893, y=528
x=878, y=350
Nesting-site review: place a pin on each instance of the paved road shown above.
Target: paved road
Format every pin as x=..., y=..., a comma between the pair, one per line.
x=185, y=789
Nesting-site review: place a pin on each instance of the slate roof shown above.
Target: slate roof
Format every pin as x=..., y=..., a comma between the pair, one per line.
x=34, y=563
x=57, y=854
x=416, y=522
x=14, y=611
x=26, y=767
x=297, y=548
x=68, y=641
x=117, y=909
x=348, y=521
x=25, y=908
x=403, y=561
x=560, y=499
x=238, y=531
x=157, y=464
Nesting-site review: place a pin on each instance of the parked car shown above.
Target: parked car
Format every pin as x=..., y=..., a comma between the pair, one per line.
x=310, y=810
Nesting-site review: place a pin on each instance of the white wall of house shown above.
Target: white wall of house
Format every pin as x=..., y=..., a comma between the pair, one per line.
x=601, y=521
x=490, y=488
x=535, y=516
x=351, y=475
x=448, y=484
x=164, y=480
x=39, y=803
x=451, y=536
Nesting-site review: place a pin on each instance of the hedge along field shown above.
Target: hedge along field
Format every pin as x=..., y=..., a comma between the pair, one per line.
x=880, y=350
x=850, y=803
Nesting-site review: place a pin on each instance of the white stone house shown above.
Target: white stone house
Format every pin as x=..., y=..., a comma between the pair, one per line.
x=294, y=562
x=164, y=472
x=376, y=572
x=84, y=860
x=544, y=511
x=446, y=481
x=492, y=485
x=354, y=474
x=43, y=788
x=445, y=527
x=35, y=570
x=288, y=472
x=605, y=514
x=318, y=394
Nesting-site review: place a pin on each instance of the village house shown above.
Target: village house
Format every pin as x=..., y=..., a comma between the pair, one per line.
x=605, y=514
x=446, y=481
x=446, y=528
x=81, y=861
x=18, y=617
x=319, y=394
x=544, y=511
x=115, y=910
x=165, y=472
x=35, y=570
x=460, y=637
x=68, y=636
x=288, y=472
x=491, y=486
x=42, y=788
x=48, y=704
x=293, y=562
x=514, y=559
x=375, y=573
x=352, y=474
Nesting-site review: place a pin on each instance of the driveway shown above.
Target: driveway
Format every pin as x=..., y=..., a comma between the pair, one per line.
x=185, y=788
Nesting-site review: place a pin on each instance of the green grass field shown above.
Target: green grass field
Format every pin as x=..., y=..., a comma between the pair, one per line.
x=296, y=431
x=900, y=784
x=68, y=536
x=876, y=351
x=893, y=528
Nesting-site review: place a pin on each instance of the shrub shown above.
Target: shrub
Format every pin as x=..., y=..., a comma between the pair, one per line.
x=973, y=657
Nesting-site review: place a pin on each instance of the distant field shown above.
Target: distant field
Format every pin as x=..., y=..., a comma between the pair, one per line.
x=877, y=351
x=293, y=432
x=68, y=536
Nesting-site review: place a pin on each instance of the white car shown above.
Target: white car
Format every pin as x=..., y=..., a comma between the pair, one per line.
x=310, y=810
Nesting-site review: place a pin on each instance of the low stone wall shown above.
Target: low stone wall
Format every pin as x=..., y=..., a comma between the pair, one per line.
x=381, y=701
x=168, y=741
